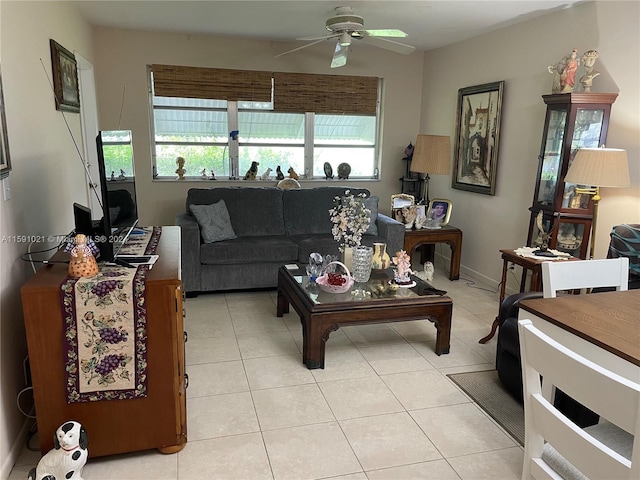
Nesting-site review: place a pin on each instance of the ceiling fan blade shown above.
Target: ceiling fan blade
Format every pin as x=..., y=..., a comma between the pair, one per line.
x=389, y=32
x=326, y=37
x=388, y=44
x=340, y=55
x=300, y=48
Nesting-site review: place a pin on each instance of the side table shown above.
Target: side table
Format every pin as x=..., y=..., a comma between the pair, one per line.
x=452, y=236
x=527, y=263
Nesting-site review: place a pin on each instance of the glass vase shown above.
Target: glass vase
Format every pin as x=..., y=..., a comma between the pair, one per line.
x=361, y=270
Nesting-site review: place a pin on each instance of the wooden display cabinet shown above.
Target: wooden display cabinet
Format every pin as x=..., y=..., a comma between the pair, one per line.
x=114, y=426
x=573, y=121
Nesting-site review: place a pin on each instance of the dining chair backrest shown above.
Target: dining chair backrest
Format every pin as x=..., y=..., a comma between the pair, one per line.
x=603, y=451
x=564, y=275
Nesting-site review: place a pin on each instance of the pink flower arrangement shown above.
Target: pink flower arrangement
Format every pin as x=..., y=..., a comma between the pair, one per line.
x=350, y=219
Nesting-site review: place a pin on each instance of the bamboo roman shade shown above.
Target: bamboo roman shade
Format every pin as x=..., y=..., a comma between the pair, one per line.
x=217, y=83
x=292, y=92
x=304, y=92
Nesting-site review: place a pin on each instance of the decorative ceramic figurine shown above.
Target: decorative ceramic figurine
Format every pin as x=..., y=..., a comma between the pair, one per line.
x=122, y=175
x=565, y=73
x=83, y=263
x=113, y=176
x=213, y=176
x=266, y=175
x=252, y=172
x=292, y=173
x=588, y=60
x=203, y=175
x=180, y=170
x=402, y=272
x=67, y=458
x=279, y=174
x=410, y=214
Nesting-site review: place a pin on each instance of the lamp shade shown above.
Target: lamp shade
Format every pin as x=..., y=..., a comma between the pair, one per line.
x=431, y=154
x=599, y=167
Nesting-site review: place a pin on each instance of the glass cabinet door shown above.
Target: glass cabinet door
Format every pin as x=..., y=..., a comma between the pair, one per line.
x=586, y=134
x=552, y=156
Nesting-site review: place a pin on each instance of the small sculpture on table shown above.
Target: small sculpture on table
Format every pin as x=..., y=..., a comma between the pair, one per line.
x=82, y=263
x=402, y=272
x=266, y=176
x=410, y=214
x=279, y=174
x=203, y=175
x=293, y=174
x=252, y=172
x=543, y=238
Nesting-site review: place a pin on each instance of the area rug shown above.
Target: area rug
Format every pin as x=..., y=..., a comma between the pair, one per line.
x=485, y=389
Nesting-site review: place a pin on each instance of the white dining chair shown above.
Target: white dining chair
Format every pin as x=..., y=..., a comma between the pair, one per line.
x=555, y=447
x=562, y=275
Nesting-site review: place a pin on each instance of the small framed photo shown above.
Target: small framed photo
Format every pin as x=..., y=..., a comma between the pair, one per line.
x=477, y=138
x=398, y=202
x=440, y=211
x=65, y=78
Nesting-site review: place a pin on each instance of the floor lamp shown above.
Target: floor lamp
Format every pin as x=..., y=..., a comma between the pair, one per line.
x=598, y=167
x=431, y=154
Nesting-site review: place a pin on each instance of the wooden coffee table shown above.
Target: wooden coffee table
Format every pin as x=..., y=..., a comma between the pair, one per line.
x=321, y=313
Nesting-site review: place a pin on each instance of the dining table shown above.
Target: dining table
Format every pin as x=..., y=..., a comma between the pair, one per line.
x=603, y=327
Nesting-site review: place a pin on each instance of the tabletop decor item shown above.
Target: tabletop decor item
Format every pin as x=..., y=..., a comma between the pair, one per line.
x=362, y=256
x=82, y=263
x=402, y=272
x=350, y=218
x=588, y=60
x=380, y=259
x=335, y=282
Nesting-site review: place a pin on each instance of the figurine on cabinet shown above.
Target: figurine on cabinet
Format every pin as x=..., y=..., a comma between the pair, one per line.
x=565, y=73
x=588, y=60
x=180, y=170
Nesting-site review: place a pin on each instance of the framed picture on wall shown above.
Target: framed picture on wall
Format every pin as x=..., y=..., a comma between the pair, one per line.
x=65, y=78
x=477, y=138
x=5, y=159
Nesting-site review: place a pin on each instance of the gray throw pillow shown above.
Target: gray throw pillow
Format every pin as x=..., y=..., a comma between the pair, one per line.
x=372, y=204
x=214, y=221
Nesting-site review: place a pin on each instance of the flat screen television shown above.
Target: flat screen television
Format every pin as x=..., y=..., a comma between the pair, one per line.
x=117, y=192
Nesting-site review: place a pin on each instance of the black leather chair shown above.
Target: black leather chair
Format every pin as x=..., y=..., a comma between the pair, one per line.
x=509, y=366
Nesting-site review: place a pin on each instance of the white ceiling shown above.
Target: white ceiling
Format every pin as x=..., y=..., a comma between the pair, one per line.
x=429, y=24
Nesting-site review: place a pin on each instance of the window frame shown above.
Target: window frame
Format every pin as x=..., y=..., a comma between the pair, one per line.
x=233, y=146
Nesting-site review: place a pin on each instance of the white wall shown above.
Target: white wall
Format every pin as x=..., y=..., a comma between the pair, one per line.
x=46, y=179
x=519, y=55
x=121, y=59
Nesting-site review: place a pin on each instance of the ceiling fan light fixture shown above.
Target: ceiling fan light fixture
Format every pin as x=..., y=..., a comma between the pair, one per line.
x=345, y=39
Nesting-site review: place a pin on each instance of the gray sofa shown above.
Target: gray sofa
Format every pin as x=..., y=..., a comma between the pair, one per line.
x=273, y=227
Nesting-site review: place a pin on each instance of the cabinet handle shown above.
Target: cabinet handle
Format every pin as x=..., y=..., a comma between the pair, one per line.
x=186, y=380
x=186, y=336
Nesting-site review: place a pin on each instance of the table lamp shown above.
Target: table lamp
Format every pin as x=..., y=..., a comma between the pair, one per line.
x=598, y=167
x=431, y=154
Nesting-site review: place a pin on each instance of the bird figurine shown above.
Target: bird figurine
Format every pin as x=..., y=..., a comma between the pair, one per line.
x=279, y=174
x=408, y=152
x=266, y=175
x=252, y=172
x=292, y=173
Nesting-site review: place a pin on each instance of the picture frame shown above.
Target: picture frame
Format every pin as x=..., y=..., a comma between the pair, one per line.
x=398, y=202
x=477, y=138
x=5, y=157
x=65, y=78
x=440, y=211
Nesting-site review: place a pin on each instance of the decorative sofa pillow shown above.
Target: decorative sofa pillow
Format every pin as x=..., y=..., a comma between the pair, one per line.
x=372, y=204
x=214, y=221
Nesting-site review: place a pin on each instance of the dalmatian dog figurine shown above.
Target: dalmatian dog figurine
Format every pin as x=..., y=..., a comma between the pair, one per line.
x=252, y=172
x=66, y=460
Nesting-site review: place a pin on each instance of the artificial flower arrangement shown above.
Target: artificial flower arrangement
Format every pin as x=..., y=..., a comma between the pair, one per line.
x=350, y=219
x=402, y=272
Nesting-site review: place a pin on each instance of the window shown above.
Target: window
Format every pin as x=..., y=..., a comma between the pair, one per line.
x=118, y=153
x=288, y=120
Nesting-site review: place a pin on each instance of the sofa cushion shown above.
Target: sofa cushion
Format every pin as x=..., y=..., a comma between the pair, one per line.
x=254, y=211
x=306, y=211
x=246, y=250
x=214, y=222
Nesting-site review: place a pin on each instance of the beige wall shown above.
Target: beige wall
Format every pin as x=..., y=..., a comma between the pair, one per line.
x=46, y=179
x=519, y=55
x=121, y=59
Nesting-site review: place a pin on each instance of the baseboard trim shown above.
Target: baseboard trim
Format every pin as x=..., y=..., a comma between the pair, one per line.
x=16, y=449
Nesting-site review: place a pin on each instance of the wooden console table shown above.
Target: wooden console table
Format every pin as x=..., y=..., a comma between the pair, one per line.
x=158, y=420
x=452, y=236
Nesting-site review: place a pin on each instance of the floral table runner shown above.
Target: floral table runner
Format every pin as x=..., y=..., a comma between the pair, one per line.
x=105, y=318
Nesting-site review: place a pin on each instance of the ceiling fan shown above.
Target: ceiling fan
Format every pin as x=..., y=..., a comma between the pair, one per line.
x=346, y=26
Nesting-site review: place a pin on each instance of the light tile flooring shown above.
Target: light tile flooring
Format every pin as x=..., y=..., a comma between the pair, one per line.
x=383, y=407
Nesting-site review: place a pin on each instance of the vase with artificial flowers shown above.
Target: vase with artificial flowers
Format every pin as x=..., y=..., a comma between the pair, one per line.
x=350, y=218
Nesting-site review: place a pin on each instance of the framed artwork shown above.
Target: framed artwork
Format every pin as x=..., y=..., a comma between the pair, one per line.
x=65, y=78
x=5, y=159
x=440, y=211
x=477, y=138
